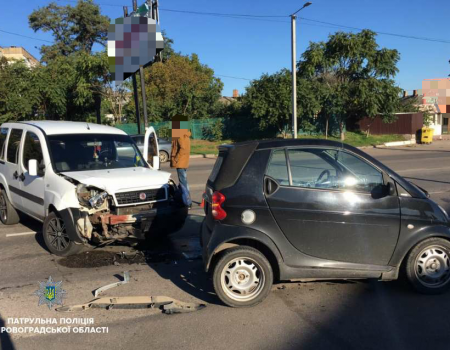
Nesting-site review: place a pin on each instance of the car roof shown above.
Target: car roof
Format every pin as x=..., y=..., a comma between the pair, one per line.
x=280, y=143
x=53, y=127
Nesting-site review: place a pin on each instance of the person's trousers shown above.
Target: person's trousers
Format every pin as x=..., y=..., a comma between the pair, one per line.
x=182, y=178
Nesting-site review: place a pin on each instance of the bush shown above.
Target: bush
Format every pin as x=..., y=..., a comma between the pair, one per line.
x=213, y=132
x=164, y=132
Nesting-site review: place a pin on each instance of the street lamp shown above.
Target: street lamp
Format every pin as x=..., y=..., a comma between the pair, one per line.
x=294, y=70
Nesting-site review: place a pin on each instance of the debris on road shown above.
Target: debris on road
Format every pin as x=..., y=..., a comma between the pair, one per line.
x=126, y=279
x=166, y=304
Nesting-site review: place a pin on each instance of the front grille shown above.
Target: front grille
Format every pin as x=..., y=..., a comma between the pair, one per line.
x=134, y=196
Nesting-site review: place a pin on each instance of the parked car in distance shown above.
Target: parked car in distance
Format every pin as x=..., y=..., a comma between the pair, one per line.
x=89, y=184
x=165, y=147
x=314, y=209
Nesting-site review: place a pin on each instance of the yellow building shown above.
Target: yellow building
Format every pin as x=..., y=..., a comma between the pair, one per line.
x=18, y=53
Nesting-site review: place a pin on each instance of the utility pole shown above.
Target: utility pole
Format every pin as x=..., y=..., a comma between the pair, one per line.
x=294, y=69
x=294, y=76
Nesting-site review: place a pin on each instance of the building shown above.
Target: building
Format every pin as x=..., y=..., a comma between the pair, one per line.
x=436, y=97
x=226, y=100
x=18, y=53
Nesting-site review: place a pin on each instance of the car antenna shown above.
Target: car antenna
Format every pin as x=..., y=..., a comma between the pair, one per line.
x=87, y=125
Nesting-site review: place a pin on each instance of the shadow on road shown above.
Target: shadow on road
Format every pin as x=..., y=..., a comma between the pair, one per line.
x=368, y=315
x=186, y=271
x=5, y=340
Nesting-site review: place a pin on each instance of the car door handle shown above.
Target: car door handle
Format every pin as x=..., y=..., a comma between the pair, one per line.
x=16, y=175
x=22, y=177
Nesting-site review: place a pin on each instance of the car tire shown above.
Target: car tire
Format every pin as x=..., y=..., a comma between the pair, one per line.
x=163, y=156
x=8, y=214
x=428, y=266
x=56, y=237
x=242, y=277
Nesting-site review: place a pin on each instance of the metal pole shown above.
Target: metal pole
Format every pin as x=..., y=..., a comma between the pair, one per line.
x=136, y=102
x=294, y=77
x=144, y=100
x=133, y=76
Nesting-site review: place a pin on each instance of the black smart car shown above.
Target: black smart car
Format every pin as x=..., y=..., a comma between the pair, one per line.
x=314, y=209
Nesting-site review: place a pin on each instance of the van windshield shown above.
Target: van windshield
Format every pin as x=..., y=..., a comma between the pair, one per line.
x=81, y=152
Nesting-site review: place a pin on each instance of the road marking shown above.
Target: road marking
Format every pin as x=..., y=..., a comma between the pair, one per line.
x=21, y=234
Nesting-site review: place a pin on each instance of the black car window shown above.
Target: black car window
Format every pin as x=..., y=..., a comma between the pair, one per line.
x=12, y=153
x=32, y=150
x=3, y=134
x=361, y=176
x=277, y=168
x=310, y=169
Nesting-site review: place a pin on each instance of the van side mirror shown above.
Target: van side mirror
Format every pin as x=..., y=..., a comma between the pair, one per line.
x=33, y=167
x=156, y=162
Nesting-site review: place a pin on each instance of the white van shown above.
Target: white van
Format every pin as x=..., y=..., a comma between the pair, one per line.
x=87, y=183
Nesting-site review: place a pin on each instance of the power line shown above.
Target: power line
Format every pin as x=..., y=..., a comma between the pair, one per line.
x=265, y=18
x=378, y=32
x=228, y=76
x=25, y=36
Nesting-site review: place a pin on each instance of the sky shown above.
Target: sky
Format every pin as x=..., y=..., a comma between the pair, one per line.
x=247, y=48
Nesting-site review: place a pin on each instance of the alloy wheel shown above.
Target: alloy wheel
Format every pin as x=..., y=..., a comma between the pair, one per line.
x=163, y=157
x=432, y=267
x=57, y=234
x=242, y=279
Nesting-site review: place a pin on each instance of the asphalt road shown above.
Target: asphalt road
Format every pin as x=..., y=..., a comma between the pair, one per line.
x=313, y=315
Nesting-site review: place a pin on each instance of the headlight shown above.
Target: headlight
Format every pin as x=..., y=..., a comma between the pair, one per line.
x=90, y=197
x=98, y=200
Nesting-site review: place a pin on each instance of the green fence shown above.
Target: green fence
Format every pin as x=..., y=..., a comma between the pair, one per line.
x=163, y=128
x=236, y=128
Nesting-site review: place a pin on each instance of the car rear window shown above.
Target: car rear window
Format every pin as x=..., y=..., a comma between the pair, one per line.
x=277, y=168
x=216, y=169
x=12, y=153
x=3, y=134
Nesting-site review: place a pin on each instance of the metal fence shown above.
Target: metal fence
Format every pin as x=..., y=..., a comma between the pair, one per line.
x=162, y=129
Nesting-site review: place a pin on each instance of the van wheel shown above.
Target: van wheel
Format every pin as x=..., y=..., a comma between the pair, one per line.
x=8, y=215
x=242, y=277
x=428, y=266
x=56, y=238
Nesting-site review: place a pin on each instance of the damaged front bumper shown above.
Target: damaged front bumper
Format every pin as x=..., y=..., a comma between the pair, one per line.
x=130, y=222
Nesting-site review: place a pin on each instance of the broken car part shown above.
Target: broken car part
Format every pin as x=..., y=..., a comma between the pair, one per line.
x=166, y=304
x=126, y=279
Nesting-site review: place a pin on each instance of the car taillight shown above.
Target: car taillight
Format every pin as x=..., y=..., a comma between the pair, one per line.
x=217, y=211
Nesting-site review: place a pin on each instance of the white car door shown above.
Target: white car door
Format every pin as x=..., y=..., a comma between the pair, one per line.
x=151, y=148
x=33, y=187
x=12, y=168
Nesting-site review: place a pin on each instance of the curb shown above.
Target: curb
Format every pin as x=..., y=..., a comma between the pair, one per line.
x=209, y=156
x=396, y=143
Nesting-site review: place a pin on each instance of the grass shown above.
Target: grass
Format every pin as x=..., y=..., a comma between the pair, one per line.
x=352, y=138
x=206, y=147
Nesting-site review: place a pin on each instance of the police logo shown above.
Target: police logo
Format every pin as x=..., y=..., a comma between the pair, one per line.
x=142, y=196
x=50, y=293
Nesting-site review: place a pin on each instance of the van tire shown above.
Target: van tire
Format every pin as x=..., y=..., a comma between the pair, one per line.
x=8, y=215
x=239, y=271
x=56, y=237
x=428, y=266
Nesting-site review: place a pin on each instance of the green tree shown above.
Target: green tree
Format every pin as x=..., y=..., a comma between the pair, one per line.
x=74, y=28
x=179, y=85
x=19, y=96
x=354, y=75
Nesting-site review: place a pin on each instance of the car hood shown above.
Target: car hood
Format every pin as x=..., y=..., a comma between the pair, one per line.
x=121, y=180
